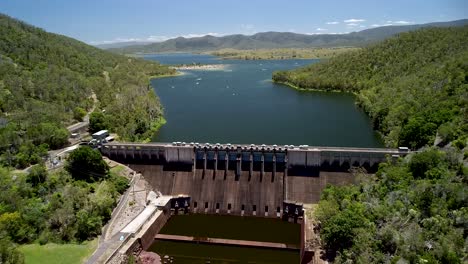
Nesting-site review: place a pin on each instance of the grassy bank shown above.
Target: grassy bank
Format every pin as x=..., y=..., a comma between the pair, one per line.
x=58, y=253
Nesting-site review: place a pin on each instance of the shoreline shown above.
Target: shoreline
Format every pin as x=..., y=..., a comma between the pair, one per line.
x=312, y=90
x=260, y=59
x=204, y=67
x=177, y=73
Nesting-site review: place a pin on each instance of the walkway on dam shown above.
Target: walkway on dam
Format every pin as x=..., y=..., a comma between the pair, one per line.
x=152, y=145
x=230, y=242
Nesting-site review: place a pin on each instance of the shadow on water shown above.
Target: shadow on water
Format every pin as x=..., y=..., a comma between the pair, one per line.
x=188, y=253
x=229, y=227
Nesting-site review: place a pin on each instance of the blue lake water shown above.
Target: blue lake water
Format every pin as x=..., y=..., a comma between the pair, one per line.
x=240, y=104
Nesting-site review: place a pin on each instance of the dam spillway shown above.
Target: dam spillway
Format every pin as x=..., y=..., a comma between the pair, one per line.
x=260, y=180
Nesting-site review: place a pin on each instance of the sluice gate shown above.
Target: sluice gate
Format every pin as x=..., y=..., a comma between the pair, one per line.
x=256, y=180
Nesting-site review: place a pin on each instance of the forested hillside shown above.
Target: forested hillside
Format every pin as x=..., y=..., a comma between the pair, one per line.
x=413, y=211
x=413, y=86
x=47, y=81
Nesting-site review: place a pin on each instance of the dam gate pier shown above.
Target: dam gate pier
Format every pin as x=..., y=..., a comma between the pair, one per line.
x=258, y=180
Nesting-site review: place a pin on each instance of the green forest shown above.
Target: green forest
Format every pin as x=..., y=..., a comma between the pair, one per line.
x=59, y=206
x=413, y=86
x=411, y=211
x=48, y=81
x=415, y=89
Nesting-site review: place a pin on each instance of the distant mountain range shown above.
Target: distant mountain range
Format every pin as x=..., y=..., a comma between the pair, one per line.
x=115, y=45
x=267, y=40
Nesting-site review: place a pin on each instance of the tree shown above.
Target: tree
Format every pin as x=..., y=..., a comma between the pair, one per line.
x=97, y=121
x=37, y=175
x=9, y=253
x=88, y=225
x=52, y=134
x=417, y=133
x=79, y=113
x=13, y=225
x=87, y=164
x=422, y=162
x=339, y=231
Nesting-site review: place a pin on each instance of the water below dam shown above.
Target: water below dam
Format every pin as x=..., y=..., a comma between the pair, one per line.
x=190, y=253
x=234, y=227
x=240, y=104
x=229, y=227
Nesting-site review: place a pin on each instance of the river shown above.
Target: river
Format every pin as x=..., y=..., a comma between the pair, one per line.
x=240, y=104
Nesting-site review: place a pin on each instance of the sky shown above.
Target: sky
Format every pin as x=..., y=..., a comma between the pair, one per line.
x=107, y=21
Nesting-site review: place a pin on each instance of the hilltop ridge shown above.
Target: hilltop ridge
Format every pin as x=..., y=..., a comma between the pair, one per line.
x=271, y=39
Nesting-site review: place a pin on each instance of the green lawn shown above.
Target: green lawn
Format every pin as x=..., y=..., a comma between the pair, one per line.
x=56, y=253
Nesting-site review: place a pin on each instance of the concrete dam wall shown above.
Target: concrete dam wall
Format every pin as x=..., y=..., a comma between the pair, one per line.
x=245, y=180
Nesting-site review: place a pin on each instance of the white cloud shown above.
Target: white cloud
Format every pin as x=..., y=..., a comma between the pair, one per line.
x=321, y=29
x=381, y=25
x=333, y=23
x=392, y=23
x=157, y=38
x=352, y=24
x=327, y=33
x=354, y=20
x=201, y=35
x=400, y=22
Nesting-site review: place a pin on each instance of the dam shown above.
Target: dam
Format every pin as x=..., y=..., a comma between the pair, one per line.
x=246, y=180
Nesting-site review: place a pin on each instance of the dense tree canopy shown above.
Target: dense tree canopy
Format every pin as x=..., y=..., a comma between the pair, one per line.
x=413, y=211
x=48, y=81
x=412, y=85
x=58, y=206
x=86, y=164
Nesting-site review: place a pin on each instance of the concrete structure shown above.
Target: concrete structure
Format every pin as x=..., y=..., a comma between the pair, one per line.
x=246, y=179
x=100, y=135
x=223, y=241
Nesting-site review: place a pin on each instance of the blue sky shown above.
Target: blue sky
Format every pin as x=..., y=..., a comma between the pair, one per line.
x=103, y=21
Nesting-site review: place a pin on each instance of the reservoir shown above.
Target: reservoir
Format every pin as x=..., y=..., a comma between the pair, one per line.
x=240, y=104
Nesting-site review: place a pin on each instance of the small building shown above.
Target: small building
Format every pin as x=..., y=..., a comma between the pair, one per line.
x=100, y=135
